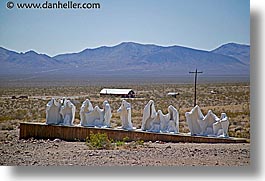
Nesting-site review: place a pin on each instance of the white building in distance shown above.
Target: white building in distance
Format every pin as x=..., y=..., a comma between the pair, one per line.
x=124, y=93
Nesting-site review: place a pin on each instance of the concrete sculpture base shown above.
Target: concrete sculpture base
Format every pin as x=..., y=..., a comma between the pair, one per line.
x=74, y=133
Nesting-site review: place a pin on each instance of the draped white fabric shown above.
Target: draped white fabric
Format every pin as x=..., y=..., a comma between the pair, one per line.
x=95, y=116
x=149, y=114
x=157, y=121
x=170, y=121
x=60, y=113
x=209, y=125
x=53, y=115
x=125, y=115
x=63, y=113
x=194, y=119
x=68, y=113
x=220, y=128
x=107, y=115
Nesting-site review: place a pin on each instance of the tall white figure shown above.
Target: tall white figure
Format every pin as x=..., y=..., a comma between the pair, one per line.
x=85, y=108
x=149, y=114
x=195, y=120
x=125, y=115
x=220, y=128
x=68, y=113
x=107, y=114
x=170, y=121
x=156, y=122
x=97, y=117
x=207, y=123
x=53, y=115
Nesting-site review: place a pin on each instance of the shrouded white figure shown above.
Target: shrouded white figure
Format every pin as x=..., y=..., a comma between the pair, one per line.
x=149, y=115
x=96, y=117
x=194, y=119
x=99, y=120
x=207, y=123
x=107, y=114
x=220, y=128
x=156, y=122
x=125, y=115
x=171, y=124
x=68, y=113
x=85, y=108
x=164, y=120
x=53, y=115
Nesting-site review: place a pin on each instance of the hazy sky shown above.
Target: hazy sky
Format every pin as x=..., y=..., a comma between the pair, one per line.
x=201, y=24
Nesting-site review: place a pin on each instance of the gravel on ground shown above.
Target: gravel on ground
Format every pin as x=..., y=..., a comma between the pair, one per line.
x=16, y=152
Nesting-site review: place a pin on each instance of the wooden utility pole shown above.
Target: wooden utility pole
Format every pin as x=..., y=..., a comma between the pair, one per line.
x=195, y=83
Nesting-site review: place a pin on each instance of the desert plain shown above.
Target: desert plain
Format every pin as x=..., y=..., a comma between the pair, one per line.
x=231, y=98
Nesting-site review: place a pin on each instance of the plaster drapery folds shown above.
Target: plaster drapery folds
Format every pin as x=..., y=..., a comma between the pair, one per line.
x=149, y=114
x=60, y=113
x=53, y=116
x=125, y=112
x=220, y=128
x=209, y=125
x=194, y=119
x=157, y=121
x=68, y=113
x=95, y=116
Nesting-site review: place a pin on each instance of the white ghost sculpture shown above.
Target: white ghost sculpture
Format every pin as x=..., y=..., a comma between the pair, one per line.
x=53, y=115
x=149, y=115
x=220, y=128
x=68, y=113
x=107, y=114
x=195, y=120
x=210, y=125
x=85, y=108
x=95, y=117
x=207, y=123
x=170, y=121
x=125, y=115
x=156, y=122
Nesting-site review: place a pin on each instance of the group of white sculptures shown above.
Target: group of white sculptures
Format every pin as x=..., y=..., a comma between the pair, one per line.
x=209, y=125
x=63, y=113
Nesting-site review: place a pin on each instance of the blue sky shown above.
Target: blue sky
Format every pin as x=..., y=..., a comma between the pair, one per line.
x=200, y=24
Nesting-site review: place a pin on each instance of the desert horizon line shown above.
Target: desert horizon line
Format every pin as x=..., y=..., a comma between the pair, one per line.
x=123, y=42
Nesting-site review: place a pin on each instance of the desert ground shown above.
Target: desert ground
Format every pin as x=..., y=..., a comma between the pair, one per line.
x=56, y=152
x=232, y=98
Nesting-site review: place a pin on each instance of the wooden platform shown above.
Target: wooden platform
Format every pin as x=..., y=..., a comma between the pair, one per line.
x=74, y=133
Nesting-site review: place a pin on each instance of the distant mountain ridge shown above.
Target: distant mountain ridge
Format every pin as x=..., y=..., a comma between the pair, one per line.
x=13, y=62
x=239, y=51
x=131, y=58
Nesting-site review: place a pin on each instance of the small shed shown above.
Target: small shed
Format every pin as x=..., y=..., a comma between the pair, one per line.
x=124, y=93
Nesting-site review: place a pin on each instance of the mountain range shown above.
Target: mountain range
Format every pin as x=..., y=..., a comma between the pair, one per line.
x=129, y=58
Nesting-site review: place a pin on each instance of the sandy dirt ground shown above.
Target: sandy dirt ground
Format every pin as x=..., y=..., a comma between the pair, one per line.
x=32, y=152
